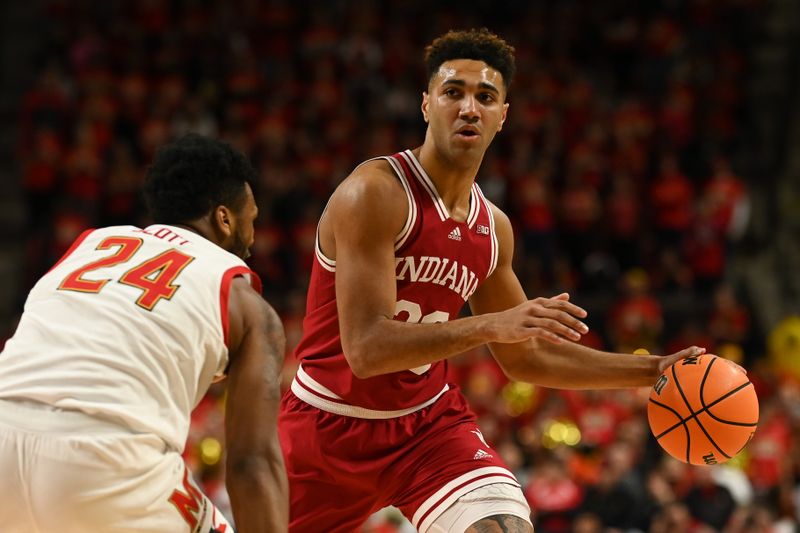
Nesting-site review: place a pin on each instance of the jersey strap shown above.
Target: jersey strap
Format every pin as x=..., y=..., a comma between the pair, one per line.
x=225, y=289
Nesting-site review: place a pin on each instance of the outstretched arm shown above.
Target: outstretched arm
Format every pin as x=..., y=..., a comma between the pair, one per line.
x=562, y=364
x=358, y=231
x=255, y=473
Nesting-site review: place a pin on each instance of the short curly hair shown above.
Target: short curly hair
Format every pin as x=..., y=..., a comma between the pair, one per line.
x=192, y=176
x=481, y=45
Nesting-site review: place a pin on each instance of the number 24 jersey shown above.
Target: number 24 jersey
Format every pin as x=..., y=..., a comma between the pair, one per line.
x=129, y=326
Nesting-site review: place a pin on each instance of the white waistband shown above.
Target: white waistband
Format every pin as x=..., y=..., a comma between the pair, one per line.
x=303, y=385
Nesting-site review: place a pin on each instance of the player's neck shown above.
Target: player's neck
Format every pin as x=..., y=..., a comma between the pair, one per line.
x=201, y=227
x=453, y=180
x=191, y=227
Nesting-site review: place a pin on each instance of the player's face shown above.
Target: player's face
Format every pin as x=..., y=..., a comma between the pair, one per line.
x=465, y=106
x=243, y=235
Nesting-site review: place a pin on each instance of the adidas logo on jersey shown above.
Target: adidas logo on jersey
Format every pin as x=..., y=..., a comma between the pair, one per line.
x=481, y=454
x=455, y=234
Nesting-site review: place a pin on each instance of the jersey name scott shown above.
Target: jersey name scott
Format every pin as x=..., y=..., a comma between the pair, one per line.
x=439, y=270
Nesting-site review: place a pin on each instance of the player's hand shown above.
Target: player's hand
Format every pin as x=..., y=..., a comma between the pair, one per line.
x=554, y=319
x=668, y=360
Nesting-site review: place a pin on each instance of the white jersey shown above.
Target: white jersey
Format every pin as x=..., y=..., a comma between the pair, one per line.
x=130, y=326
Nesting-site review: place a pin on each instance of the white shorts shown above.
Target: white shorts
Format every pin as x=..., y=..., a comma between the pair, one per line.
x=65, y=472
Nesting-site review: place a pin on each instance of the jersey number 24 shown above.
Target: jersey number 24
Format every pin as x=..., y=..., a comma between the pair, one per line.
x=154, y=276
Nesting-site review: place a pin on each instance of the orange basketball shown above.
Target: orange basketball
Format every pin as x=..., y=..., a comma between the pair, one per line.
x=703, y=410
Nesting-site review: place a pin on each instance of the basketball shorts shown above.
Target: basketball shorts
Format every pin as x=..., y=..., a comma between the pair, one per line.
x=342, y=469
x=65, y=472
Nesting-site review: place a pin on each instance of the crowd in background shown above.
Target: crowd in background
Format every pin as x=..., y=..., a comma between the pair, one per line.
x=617, y=167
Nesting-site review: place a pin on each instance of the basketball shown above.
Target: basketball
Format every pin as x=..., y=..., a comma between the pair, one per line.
x=703, y=410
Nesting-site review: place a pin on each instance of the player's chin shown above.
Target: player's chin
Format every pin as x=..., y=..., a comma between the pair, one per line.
x=468, y=146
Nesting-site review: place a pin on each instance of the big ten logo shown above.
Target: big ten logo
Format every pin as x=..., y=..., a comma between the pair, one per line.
x=691, y=360
x=660, y=384
x=710, y=459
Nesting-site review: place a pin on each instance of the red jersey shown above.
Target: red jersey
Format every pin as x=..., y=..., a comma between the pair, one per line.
x=440, y=262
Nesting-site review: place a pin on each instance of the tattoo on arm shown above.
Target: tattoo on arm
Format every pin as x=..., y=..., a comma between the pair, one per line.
x=501, y=523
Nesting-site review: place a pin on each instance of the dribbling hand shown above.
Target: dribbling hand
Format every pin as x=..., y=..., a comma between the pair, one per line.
x=668, y=360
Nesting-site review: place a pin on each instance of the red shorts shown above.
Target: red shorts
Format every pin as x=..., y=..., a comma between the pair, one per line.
x=342, y=469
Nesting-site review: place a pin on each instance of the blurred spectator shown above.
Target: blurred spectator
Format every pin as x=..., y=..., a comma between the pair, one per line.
x=729, y=320
x=534, y=203
x=725, y=203
x=675, y=518
x=553, y=496
x=709, y=502
x=635, y=318
x=769, y=448
x=784, y=346
x=597, y=414
x=579, y=211
x=616, y=496
x=587, y=523
x=624, y=215
x=735, y=480
x=672, y=198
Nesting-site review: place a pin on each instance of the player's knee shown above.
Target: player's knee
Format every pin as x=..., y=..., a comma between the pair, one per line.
x=500, y=523
x=497, y=507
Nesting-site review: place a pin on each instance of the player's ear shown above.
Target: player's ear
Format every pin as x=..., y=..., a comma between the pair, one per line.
x=222, y=219
x=424, y=106
x=503, y=116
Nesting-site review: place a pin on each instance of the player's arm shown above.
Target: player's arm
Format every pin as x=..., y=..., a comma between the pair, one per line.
x=255, y=475
x=364, y=216
x=552, y=361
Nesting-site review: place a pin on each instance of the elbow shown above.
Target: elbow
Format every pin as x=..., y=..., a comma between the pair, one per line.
x=365, y=348
x=357, y=354
x=253, y=466
x=359, y=364
x=246, y=465
x=251, y=473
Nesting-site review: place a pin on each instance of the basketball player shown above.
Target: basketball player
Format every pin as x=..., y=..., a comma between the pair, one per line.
x=120, y=341
x=404, y=242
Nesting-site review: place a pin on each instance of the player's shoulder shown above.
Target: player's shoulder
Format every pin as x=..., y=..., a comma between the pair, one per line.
x=370, y=197
x=373, y=181
x=374, y=175
x=249, y=310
